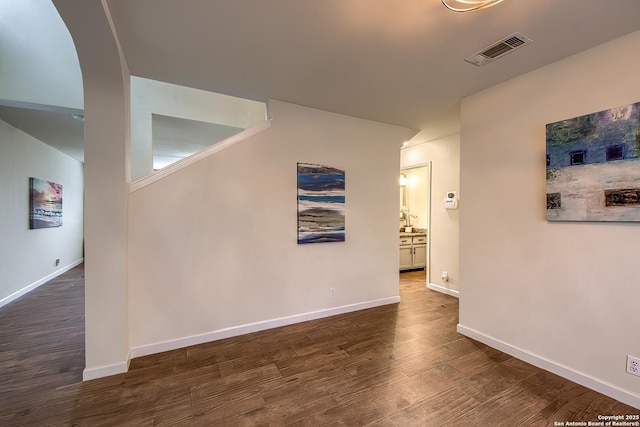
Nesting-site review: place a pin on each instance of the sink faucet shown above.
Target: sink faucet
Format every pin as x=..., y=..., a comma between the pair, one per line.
x=407, y=216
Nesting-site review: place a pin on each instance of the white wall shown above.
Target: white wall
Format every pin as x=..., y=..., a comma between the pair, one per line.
x=27, y=256
x=562, y=295
x=106, y=147
x=444, y=154
x=214, y=246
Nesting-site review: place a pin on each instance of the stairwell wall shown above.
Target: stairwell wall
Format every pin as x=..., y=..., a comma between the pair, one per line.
x=213, y=248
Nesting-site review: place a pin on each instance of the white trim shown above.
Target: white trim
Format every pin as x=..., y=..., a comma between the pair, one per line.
x=145, y=350
x=581, y=378
x=443, y=290
x=107, y=370
x=187, y=161
x=17, y=294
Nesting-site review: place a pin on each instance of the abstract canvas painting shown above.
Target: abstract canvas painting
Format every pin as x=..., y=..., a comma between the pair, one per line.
x=320, y=204
x=45, y=204
x=593, y=166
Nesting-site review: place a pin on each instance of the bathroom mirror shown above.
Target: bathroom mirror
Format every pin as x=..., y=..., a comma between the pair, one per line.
x=414, y=192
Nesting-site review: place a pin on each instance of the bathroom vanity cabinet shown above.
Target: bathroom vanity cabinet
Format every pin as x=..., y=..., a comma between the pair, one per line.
x=413, y=251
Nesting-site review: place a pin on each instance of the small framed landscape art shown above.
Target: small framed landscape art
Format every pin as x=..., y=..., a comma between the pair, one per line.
x=593, y=166
x=320, y=204
x=45, y=204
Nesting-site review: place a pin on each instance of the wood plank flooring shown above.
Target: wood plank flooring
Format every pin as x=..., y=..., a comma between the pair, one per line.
x=398, y=365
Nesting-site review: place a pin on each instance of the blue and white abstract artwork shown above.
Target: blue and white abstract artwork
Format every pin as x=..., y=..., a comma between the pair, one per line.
x=593, y=166
x=320, y=204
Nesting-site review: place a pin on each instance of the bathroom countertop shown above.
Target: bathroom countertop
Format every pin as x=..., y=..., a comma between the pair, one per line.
x=415, y=232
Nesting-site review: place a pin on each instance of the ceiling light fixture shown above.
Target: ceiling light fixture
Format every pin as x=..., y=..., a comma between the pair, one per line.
x=469, y=5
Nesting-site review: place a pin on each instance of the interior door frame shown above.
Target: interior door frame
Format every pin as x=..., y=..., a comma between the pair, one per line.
x=426, y=164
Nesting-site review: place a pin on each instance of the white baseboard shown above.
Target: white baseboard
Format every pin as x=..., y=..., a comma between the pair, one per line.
x=443, y=290
x=234, y=331
x=581, y=378
x=106, y=371
x=14, y=296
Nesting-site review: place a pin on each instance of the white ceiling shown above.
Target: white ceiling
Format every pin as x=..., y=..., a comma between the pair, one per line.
x=394, y=61
x=194, y=136
x=56, y=128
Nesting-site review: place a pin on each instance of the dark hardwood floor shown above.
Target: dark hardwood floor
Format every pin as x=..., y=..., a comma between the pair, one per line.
x=398, y=365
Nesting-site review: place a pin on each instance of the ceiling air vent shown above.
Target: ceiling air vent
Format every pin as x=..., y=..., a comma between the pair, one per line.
x=499, y=49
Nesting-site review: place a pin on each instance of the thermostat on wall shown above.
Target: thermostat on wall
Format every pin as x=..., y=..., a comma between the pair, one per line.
x=451, y=202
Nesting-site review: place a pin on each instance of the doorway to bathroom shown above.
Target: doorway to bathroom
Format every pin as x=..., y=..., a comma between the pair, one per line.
x=415, y=218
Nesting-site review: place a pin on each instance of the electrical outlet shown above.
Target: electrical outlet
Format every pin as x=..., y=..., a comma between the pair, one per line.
x=633, y=365
x=57, y=262
x=332, y=292
x=445, y=276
